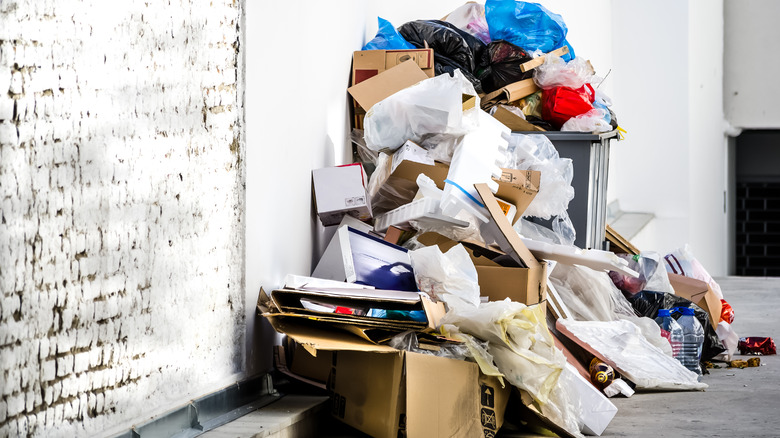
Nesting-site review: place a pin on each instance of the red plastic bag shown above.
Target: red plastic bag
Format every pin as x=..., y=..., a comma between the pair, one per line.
x=726, y=313
x=559, y=104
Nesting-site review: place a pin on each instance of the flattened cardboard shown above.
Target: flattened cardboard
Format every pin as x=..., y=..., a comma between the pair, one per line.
x=369, y=63
x=510, y=93
x=513, y=121
x=385, y=84
x=698, y=292
x=618, y=243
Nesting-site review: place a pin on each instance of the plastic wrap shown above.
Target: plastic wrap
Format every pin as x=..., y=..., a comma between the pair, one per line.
x=500, y=65
x=453, y=48
x=470, y=17
x=478, y=350
x=536, y=152
x=524, y=351
x=387, y=38
x=595, y=120
x=652, y=274
x=431, y=107
x=450, y=277
x=622, y=345
x=729, y=338
x=527, y=25
x=555, y=72
x=407, y=341
x=365, y=154
x=591, y=296
x=388, y=192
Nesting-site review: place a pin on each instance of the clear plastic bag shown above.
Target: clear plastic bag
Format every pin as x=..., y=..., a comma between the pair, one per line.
x=432, y=107
x=591, y=296
x=555, y=72
x=470, y=17
x=595, y=120
x=536, y=152
x=450, y=277
x=652, y=274
x=408, y=341
x=387, y=38
x=365, y=154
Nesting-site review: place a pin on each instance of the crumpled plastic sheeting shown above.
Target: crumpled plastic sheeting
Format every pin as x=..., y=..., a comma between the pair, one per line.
x=623, y=347
x=591, y=296
x=478, y=350
x=525, y=352
x=555, y=72
x=433, y=106
x=450, y=277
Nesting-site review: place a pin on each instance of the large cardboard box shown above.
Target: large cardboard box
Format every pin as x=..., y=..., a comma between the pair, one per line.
x=341, y=190
x=698, y=292
x=385, y=392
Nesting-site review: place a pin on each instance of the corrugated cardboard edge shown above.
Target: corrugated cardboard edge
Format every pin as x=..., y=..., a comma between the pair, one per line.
x=375, y=89
x=621, y=242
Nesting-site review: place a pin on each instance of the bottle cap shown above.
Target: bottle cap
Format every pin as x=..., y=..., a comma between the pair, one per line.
x=663, y=312
x=687, y=311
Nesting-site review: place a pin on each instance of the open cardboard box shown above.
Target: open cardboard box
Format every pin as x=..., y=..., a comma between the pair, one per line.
x=385, y=392
x=698, y=292
x=510, y=271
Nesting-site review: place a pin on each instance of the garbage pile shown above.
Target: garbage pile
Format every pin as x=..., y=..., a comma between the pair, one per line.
x=442, y=306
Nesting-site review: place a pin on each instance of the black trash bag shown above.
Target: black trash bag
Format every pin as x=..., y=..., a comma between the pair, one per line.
x=452, y=47
x=647, y=303
x=500, y=65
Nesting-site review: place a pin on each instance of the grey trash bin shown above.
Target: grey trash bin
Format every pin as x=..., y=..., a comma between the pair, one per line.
x=590, y=158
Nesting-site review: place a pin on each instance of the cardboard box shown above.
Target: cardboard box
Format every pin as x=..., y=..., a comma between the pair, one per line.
x=698, y=292
x=389, y=393
x=341, y=190
x=514, y=122
x=369, y=63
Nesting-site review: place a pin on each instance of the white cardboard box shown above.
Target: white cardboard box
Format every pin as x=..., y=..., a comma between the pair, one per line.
x=341, y=190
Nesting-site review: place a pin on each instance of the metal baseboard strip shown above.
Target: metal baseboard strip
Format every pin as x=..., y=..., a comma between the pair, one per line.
x=208, y=412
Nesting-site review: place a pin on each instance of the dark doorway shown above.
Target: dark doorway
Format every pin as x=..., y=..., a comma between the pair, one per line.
x=758, y=203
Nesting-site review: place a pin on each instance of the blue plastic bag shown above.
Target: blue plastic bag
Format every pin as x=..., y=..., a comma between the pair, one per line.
x=387, y=38
x=528, y=25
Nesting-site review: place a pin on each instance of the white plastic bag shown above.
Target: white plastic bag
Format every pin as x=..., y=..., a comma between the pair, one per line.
x=450, y=277
x=681, y=261
x=591, y=121
x=470, y=17
x=433, y=106
x=555, y=72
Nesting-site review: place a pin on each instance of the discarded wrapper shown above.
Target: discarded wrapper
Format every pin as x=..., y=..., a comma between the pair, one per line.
x=756, y=345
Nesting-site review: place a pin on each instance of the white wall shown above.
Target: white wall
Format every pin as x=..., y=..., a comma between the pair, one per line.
x=751, y=63
x=668, y=97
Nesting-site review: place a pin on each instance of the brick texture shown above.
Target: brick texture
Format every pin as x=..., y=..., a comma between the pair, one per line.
x=121, y=210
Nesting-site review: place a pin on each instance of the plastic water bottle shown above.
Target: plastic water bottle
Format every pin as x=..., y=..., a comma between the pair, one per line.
x=672, y=331
x=693, y=338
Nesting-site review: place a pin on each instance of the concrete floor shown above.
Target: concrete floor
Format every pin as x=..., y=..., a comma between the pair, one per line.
x=739, y=402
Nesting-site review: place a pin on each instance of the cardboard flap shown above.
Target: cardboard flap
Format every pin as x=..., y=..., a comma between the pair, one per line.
x=513, y=121
x=501, y=230
x=620, y=243
x=321, y=337
x=518, y=187
x=510, y=93
x=700, y=293
x=536, y=62
x=387, y=83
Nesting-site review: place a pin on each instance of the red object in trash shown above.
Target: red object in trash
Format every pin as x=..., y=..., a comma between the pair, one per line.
x=559, y=104
x=756, y=345
x=726, y=313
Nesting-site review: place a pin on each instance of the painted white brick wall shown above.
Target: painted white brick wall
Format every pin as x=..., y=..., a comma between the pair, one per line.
x=121, y=210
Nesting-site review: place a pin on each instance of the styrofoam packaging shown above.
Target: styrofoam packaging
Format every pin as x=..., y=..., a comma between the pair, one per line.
x=478, y=159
